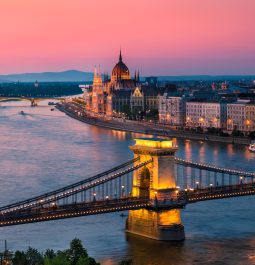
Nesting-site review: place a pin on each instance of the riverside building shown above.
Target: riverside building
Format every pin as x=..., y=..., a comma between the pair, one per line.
x=171, y=110
x=205, y=114
x=109, y=97
x=241, y=116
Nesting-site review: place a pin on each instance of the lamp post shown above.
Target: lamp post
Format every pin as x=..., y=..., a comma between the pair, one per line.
x=197, y=184
x=241, y=180
x=122, y=191
x=211, y=186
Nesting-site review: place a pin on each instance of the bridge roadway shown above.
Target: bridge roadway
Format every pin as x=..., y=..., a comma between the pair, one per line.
x=72, y=210
x=180, y=200
x=220, y=192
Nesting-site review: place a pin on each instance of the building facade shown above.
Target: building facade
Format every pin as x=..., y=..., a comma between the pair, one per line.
x=120, y=92
x=171, y=110
x=241, y=116
x=205, y=114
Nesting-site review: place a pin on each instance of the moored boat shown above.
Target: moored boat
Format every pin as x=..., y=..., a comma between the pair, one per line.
x=252, y=147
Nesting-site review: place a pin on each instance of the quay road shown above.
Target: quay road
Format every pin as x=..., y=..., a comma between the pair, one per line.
x=77, y=111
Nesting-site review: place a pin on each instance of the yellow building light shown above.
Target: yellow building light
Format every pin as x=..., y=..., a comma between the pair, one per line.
x=154, y=143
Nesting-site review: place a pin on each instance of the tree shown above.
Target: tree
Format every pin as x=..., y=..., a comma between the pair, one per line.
x=33, y=257
x=237, y=133
x=76, y=251
x=19, y=258
x=61, y=258
x=126, y=262
x=252, y=135
x=126, y=109
x=50, y=254
x=86, y=261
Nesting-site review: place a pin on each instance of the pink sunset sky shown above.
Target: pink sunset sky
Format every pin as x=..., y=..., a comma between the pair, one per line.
x=160, y=37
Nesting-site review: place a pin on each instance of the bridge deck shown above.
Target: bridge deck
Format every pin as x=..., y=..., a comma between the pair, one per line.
x=70, y=211
x=219, y=192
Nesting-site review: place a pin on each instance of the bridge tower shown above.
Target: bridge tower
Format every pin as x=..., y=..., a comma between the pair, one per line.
x=156, y=180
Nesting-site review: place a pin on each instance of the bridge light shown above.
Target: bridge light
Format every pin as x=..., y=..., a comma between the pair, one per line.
x=107, y=197
x=197, y=182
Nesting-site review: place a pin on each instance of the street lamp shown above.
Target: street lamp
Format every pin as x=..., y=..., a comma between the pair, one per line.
x=122, y=191
x=197, y=184
x=211, y=186
x=241, y=180
x=94, y=197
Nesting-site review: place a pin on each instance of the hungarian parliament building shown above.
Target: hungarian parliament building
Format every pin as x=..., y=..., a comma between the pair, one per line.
x=121, y=92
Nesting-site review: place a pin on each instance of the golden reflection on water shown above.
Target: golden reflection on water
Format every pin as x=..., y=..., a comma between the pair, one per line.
x=230, y=149
x=188, y=150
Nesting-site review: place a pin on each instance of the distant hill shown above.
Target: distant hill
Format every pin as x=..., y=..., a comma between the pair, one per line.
x=205, y=77
x=79, y=76
x=66, y=76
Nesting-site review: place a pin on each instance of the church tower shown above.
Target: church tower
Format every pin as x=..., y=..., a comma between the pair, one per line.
x=97, y=92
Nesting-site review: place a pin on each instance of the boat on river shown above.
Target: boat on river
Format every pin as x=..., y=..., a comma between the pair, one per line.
x=252, y=147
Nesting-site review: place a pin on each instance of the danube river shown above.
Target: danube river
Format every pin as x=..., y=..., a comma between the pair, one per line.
x=44, y=150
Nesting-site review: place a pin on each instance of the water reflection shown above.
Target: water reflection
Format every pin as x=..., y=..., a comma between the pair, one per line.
x=44, y=150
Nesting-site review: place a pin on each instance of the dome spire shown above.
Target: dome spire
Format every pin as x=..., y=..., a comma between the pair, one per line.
x=120, y=57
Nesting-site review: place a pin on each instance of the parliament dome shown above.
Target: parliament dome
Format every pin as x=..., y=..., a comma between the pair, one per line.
x=120, y=71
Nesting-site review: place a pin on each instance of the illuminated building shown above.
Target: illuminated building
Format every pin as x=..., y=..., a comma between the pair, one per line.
x=171, y=110
x=241, y=116
x=205, y=114
x=109, y=96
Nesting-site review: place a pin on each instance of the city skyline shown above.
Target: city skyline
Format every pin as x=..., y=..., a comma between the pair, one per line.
x=161, y=38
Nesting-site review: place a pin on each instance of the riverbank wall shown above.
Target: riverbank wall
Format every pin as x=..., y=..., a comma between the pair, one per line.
x=146, y=128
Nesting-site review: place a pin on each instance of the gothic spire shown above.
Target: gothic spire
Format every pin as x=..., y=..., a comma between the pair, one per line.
x=95, y=71
x=120, y=57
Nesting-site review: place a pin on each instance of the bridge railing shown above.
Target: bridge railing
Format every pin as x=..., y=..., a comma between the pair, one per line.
x=113, y=183
x=191, y=175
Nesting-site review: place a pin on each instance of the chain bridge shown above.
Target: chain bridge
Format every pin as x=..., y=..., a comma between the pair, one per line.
x=154, y=187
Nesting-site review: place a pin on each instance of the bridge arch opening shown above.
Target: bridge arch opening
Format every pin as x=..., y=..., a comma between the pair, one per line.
x=145, y=178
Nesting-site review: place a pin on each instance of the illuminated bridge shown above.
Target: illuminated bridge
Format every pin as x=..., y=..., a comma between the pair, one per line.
x=154, y=187
x=33, y=100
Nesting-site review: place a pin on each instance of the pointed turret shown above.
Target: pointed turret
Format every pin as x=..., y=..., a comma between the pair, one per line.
x=138, y=76
x=97, y=76
x=120, y=57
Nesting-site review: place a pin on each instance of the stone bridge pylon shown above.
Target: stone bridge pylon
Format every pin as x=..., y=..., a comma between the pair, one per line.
x=156, y=180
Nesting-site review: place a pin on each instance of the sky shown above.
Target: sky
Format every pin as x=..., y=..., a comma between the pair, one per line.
x=158, y=37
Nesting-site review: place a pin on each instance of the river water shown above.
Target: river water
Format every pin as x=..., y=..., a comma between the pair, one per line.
x=44, y=150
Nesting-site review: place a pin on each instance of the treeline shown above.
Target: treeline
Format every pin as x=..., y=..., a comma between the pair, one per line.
x=45, y=89
x=76, y=254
